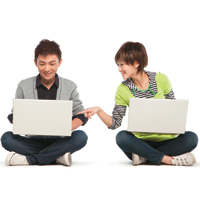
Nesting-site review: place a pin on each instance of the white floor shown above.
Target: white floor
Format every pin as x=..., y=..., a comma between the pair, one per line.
x=100, y=171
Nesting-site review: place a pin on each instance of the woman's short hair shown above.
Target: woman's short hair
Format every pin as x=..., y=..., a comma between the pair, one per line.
x=130, y=52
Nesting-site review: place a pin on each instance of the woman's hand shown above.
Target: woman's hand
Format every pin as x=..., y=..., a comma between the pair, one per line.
x=106, y=119
x=90, y=111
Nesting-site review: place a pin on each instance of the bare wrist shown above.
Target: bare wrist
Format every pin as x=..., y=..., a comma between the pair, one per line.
x=99, y=109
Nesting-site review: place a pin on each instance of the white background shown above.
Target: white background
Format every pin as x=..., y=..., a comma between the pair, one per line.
x=89, y=34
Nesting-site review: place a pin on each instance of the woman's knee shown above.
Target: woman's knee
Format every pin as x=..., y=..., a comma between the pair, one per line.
x=121, y=138
x=6, y=140
x=192, y=139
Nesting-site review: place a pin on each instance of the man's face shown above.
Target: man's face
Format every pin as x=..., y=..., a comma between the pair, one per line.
x=47, y=66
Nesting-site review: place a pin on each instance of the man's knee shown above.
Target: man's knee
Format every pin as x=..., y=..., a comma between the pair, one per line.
x=81, y=136
x=6, y=140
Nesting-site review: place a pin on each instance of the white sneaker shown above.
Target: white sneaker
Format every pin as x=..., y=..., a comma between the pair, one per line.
x=65, y=159
x=186, y=159
x=14, y=159
x=138, y=159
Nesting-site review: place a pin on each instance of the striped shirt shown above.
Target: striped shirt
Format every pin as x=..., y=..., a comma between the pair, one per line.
x=120, y=111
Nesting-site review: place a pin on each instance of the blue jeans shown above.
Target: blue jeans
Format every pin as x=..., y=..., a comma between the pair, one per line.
x=155, y=151
x=43, y=150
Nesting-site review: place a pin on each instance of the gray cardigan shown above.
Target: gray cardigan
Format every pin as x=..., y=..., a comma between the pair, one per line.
x=66, y=91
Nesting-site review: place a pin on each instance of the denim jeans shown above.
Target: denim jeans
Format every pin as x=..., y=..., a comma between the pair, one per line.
x=155, y=151
x=43, y=150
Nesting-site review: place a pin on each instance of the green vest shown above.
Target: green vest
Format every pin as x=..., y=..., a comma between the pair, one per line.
x=123, y=95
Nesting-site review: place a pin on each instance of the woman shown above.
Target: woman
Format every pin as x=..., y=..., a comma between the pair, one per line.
x=170, y=149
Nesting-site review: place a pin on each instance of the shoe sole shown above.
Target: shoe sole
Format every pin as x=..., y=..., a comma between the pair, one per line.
x=135, y=159
x=69, y=159
x=8, y=158
x=193, y=158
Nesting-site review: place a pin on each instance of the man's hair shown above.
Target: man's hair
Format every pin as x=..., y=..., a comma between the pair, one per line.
x=130, y=52
x=46, y=47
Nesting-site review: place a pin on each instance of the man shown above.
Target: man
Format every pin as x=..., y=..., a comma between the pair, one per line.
x=41, y=150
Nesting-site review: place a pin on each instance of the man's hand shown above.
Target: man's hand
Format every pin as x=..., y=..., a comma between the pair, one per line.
x=76, y=123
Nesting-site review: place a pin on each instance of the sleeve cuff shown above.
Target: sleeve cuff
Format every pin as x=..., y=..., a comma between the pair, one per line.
x=10, y=118
x=81, y=117
x=112, y=127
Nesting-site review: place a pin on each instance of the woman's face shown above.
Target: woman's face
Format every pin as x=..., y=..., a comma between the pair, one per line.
x=127, y=71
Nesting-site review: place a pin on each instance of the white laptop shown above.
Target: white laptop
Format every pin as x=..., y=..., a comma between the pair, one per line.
x=42, y=117
x=157, y=115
